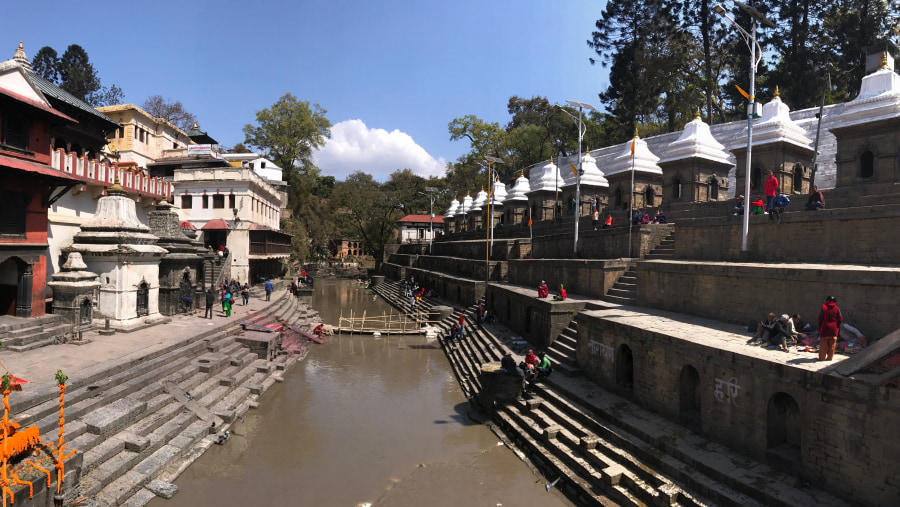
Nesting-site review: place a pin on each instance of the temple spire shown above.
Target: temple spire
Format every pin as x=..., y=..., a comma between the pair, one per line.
x=20, y=57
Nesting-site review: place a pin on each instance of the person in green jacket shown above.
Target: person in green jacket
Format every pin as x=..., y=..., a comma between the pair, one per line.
x=544, y=368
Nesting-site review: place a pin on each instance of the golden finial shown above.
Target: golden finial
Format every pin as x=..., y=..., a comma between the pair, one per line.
x=635, y=133
x=116, y=187
x=195, y=125
x=777, y=93
x=21, y=46
x=884, y=61
x=523, y=172
x=697, y=114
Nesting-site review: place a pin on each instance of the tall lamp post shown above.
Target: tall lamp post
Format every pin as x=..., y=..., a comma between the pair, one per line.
x=581, y=130
x=490, y=228
x=755, y=57
x=430, y=191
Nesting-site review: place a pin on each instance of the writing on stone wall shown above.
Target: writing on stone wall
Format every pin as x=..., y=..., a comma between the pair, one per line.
x=727, y=390
x=599, y=349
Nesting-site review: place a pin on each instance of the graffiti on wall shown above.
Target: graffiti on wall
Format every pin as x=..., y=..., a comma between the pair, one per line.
x=604, y=351
x=727, y=390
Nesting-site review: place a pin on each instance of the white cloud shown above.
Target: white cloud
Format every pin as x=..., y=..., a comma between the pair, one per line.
x=355, y=147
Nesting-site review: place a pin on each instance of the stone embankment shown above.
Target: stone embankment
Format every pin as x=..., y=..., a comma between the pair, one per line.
x=604, y=449
x=138, y=423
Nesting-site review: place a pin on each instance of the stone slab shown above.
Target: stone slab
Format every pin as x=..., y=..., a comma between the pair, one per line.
x=110, y=419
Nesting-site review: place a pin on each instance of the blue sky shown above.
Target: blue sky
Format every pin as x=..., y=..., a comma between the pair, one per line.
x=391, y=74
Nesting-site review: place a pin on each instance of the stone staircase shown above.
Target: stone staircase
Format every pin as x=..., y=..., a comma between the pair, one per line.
x=150, y=418
x=216, y=270
x=562, y=351
x=624, y=291
x=19, y=335
x=607, y=451
x=665, y=249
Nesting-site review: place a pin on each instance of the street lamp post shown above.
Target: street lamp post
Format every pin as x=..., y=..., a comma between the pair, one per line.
x=581, y=129
x=755, y=57
x=488, y=245
x=430, y=191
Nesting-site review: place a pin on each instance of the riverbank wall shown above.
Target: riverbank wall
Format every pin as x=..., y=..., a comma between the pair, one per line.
x=140, y=407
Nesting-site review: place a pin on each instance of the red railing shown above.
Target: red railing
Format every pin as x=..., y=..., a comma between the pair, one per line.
x=101, y=173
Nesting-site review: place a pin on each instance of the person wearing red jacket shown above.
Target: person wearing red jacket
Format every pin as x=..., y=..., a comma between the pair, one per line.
x=771, y=190
x=830, y=320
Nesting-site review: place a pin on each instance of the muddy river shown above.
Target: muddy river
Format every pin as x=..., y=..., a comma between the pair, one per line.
x=362, y=420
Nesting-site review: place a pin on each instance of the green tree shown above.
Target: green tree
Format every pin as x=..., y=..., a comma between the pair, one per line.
x=645, y=50
x=74, y=73
x=288, y=132
x=46, y=64
x=850, y=30
x=171, y=111
x=367, y=211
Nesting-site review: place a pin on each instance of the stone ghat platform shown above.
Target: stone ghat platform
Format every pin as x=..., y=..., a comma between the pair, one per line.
x=605, y=448
x=140, y=407
x=787, y=410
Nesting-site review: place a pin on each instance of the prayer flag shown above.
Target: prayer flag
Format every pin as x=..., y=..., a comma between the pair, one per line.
x=632, y=147
x=529, y=221
x=742, y=92
x=574, y=171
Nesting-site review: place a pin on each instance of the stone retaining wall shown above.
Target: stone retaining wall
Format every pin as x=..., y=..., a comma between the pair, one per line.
x=834, y=236
x=589, y=278
x=844, y=429
x=743, y=292
x=612, y=243
x=539, y=321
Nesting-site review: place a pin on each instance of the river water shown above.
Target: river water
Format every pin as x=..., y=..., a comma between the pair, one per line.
x=362, y=420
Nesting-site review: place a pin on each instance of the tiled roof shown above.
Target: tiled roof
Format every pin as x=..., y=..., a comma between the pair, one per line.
x=51, y=91
x=438, y=219
x=216, y=224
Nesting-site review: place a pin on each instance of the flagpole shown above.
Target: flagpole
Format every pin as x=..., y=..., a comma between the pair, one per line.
x=631, y=201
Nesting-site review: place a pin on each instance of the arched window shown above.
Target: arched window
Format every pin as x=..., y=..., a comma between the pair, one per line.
x=712, y=189
x=798, y=179
x=676, y=188
x=755, y=179
x=867, y=164
x=649, y=196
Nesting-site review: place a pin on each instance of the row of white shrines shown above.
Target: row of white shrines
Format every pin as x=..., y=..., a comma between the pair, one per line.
x=695, y=167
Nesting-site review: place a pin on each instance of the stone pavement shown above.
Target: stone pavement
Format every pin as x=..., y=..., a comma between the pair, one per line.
x=83, y=363
x=721, y=335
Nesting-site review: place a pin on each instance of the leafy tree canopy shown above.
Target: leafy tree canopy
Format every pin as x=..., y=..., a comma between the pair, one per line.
x=288, y=132
x=74, y=73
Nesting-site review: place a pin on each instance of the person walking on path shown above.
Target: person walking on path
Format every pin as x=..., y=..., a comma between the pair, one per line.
x=269, y=290
x=771, y=190
x=226, y=305
x=830, y=320
x=210, y=300
x=245, y=294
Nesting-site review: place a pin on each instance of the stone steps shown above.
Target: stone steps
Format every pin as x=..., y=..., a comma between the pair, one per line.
x=605, y=462
x=624, y=291
x=128, y=429
x=562, y=351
